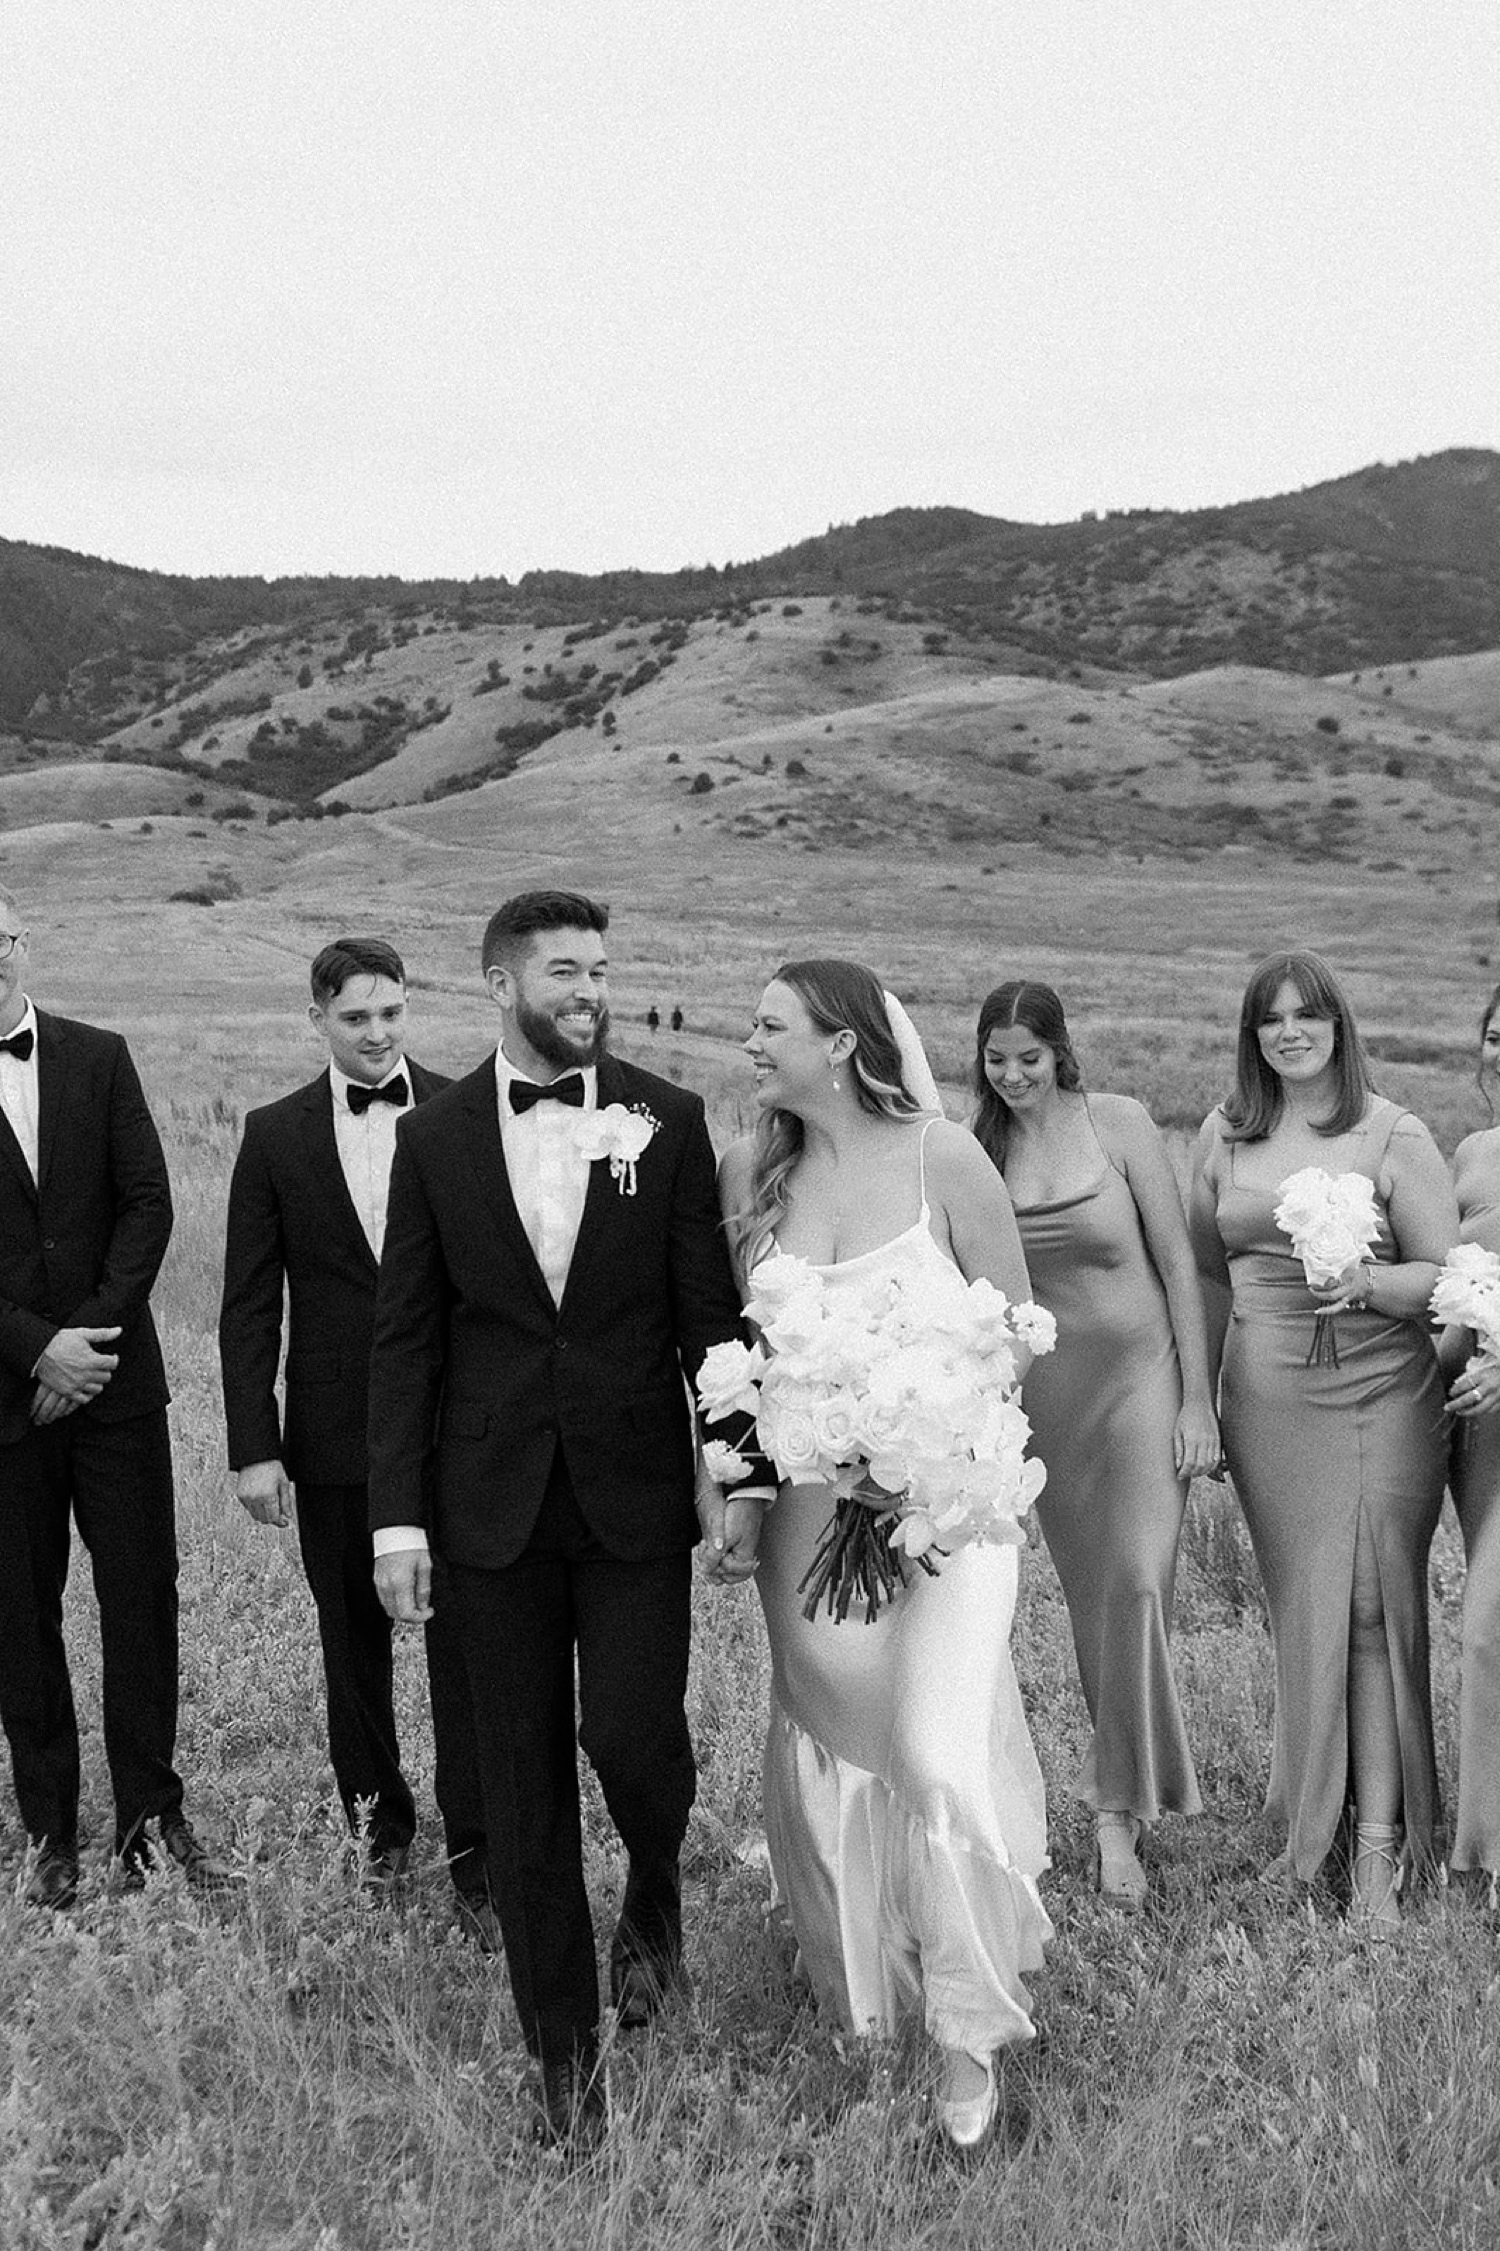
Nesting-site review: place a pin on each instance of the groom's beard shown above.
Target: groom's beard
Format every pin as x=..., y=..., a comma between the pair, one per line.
x=546, y=1039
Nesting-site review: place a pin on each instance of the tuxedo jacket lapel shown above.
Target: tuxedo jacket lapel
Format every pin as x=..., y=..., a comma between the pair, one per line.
x=601, y=1203
x=15, y=1157
x=52, y=1061
x=486, y=1154
x=321, y=1149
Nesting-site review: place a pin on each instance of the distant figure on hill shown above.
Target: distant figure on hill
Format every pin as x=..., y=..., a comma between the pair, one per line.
x=307, y=1211
x=677, y=1019
x=85, y=1217
x=653, y=1018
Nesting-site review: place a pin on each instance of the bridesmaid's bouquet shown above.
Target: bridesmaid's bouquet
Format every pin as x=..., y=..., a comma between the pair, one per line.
x=1333, y=1219
x=1467, y=1293
x=899, y=1394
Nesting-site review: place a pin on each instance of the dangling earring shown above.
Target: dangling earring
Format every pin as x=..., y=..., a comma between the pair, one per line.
x=834, y=1072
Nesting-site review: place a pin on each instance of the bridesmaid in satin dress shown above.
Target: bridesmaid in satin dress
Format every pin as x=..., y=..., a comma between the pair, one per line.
x=1122, y=1411
x=905, y=1810
x=1474, y=1478
x=1338, y=1457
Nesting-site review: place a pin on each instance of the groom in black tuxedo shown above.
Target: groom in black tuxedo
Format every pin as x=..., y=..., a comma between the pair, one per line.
x=553, y=1268
x=307, y=1206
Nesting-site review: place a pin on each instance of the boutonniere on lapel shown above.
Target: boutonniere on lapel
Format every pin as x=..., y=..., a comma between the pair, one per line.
x=617, y=1133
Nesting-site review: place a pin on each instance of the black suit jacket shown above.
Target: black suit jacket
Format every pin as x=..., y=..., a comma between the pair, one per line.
x=291, y=1219
x=478, y=1377
x=80, y=1246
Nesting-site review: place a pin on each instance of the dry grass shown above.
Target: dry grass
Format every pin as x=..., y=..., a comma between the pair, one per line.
x=303, y=2070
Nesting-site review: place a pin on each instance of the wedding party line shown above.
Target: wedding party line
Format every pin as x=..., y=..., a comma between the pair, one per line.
x=505, y=1350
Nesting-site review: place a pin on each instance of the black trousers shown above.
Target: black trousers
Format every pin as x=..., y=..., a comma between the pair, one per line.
x=521, y=1628
x=333, y=1530
x=114, y=1480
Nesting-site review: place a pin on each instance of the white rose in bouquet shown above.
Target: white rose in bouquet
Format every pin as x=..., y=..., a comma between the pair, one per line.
x=1333, y=1219
x=1467, y=1294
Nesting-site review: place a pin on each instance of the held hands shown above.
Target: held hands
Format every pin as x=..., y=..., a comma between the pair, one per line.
x=265, y=1490
x=403, y=1581
x=75, y=1368
x=1476, y=1389
x=731, y=1533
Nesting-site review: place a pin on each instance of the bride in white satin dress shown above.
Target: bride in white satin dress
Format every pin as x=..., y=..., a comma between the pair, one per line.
x=905, y=1809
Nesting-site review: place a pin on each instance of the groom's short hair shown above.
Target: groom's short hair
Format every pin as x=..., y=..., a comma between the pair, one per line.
x=511, y=928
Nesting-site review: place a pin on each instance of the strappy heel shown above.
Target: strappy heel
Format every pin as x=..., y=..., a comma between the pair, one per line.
x=1119, y=1876
x=1375, y=1876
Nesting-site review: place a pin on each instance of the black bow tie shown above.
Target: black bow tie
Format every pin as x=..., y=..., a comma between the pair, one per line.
x=360, y=1097
x=20, y=1045
x=525, y=1094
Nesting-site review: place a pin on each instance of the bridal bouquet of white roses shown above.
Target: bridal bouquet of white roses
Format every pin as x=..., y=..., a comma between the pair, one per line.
x=1333, y=1219
x=898, y=1393
x=1467, y=1293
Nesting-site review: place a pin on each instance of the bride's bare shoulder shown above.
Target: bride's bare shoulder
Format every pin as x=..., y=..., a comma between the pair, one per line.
x=736, y=1165
x=954, y=1158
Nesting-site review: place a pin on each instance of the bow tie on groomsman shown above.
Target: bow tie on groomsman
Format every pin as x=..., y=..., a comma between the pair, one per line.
x=395, y=1090
x=525, y=1093
x=19, y=1045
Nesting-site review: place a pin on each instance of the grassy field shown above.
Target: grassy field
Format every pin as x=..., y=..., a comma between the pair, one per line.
x=305, y=2070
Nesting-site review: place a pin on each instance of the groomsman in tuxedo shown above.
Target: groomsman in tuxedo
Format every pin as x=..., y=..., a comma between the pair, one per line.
x=85, y=1216
x=553, y=1268
x=307, y=1209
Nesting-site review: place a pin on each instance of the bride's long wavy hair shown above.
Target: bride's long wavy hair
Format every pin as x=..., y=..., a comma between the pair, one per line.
x=839, y=996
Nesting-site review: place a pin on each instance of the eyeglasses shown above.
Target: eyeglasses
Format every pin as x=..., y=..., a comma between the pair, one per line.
x=9, y=940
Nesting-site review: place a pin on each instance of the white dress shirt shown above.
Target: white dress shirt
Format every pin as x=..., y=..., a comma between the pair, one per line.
x=549, y=1178
x=549, y=1175
x=366, y=1146
x=18, y=1092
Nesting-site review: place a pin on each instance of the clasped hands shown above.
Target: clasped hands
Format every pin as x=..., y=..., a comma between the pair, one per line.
x=731, y=1533
x=74, y=1369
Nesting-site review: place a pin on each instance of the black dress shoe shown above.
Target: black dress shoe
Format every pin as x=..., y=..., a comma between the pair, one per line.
x=53, y=1881
x=198, y=1865
x=640, y=1991
x=180, y=1844
x=385, y=1863
x=477, y=1920
x=572, y=2113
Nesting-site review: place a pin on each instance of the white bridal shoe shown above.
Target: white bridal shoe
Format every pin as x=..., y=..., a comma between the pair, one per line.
x=967, y=2123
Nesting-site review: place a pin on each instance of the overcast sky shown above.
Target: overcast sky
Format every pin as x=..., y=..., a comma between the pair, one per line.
x=472, y=286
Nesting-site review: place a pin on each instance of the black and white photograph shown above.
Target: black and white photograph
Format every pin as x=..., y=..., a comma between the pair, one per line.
x=750, y=1126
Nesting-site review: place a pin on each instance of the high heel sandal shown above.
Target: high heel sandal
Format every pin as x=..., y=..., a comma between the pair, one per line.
x=1375, y=1877
x=968, y=2123
x=1119, y=1876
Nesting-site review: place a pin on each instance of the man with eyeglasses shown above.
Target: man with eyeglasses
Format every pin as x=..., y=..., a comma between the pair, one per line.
x=85, y=1217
